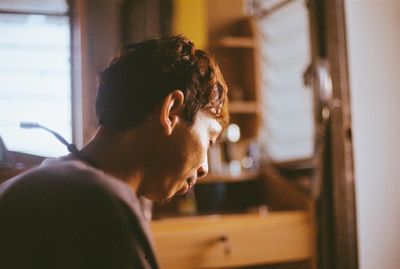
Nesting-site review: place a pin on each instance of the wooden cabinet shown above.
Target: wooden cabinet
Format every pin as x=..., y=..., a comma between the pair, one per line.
x=217, y=241
x=278, y=237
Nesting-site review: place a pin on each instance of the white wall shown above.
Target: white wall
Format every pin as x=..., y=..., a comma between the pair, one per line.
x=373, y=29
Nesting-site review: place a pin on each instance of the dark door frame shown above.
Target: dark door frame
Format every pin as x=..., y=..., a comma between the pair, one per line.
x=335, y=207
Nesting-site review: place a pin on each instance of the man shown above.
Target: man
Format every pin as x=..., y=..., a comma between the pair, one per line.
x=160, y=104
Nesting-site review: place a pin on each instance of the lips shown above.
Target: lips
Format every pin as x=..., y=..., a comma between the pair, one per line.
x=186, y=186
x=190, y=182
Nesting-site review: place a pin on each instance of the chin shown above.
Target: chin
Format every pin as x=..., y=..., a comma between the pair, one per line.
x=171, y=194
x=164, y=194
x=155, y=197
x=160, y=196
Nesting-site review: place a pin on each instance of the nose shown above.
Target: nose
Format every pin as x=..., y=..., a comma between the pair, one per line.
x=202, y=171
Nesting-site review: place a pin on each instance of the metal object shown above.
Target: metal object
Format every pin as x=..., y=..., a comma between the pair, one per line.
x=224, y=239
x=318, y=77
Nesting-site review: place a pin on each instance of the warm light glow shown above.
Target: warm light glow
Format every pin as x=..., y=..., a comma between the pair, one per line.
x=233, y=132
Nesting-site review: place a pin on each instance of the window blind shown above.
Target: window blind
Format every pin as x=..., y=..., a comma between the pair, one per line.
x=287, y=127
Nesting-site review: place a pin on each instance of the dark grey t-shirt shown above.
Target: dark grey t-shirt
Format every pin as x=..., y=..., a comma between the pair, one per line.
x=66, y=214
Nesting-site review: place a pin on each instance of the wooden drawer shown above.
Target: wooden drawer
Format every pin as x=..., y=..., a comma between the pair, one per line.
x=233, y=240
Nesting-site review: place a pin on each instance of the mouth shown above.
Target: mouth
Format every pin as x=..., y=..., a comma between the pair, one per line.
x=187, y=186
x=190, y=182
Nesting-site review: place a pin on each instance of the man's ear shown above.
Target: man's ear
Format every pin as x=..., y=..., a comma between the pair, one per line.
x=171, y=109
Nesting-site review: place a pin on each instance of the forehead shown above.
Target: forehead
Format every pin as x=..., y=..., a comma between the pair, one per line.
x=207, y=121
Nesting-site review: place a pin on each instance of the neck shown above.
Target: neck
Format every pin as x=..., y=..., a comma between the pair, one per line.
x=116, y=153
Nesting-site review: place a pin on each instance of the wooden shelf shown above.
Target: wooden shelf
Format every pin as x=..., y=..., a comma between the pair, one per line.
x=235, y=42
x=245, y=107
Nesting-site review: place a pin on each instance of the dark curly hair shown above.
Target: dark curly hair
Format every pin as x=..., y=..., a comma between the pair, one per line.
x=144, y=73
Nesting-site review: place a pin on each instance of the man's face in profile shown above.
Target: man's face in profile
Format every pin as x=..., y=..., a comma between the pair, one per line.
x=182, y=158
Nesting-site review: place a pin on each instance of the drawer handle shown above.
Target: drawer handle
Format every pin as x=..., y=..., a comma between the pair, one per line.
x=224, y=239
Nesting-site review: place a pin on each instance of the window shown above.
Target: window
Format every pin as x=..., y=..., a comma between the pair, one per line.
x=288, y=123
x=35, y=81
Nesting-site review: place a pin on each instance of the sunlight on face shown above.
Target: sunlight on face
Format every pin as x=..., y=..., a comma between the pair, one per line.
x=185, y=157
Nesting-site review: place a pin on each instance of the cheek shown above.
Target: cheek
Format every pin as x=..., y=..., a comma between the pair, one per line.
x=197, y=154
x=185, y=161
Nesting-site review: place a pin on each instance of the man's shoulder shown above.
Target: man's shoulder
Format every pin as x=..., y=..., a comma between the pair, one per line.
x=66, y=168
x=54, y=172
x=66, y=180
x=63, y=181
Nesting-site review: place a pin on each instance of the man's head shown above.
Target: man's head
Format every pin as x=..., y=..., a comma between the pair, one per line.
x=176, y=98
x=144, y=73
